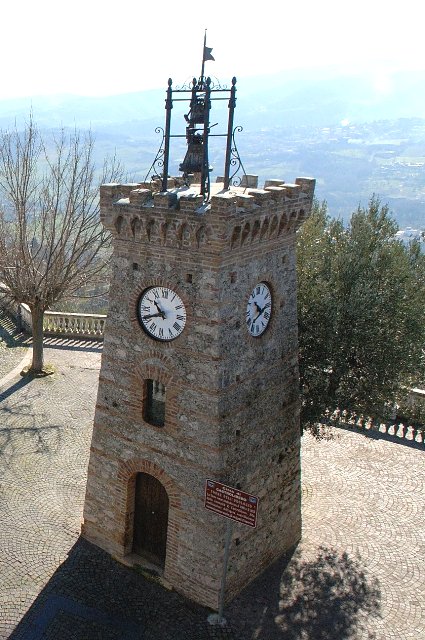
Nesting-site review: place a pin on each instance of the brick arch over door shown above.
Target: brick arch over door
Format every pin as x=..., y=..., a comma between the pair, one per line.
x=127, y=474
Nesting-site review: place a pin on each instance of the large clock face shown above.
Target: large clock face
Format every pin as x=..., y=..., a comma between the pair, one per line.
x=161, y=313
x=258, y=309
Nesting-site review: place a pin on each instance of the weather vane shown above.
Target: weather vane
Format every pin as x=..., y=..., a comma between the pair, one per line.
x=195, y=166
x=207, y=55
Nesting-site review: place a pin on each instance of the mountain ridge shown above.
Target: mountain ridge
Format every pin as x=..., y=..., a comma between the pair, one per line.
x=357, y=135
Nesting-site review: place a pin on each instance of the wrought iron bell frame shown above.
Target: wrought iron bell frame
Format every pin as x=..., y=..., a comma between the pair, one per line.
x=202, y=93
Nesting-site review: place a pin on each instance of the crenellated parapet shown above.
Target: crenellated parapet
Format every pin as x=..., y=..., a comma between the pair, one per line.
x=180, y=218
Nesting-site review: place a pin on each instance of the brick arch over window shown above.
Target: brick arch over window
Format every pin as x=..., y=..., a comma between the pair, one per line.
x=156, y=367
x=127, y=474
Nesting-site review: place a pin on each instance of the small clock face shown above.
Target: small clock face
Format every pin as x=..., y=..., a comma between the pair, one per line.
x=258, y=309
x=161, y=313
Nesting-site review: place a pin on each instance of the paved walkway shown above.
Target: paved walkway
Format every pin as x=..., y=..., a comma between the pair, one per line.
x=358, y=574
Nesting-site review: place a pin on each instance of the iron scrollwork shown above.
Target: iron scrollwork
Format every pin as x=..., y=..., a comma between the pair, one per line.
x=158, y=164
x=235, y=160
x=215, y=84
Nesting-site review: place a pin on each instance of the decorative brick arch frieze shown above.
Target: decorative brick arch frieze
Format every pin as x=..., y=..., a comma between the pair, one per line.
x=283, y=224
x=184, y=235
x=151, y=230
x=137, y=228
x=236, y=235
x=245, y=233
x=203, y=234
x=168, y=233
x=265, y=228
x=255, y=230
x=126, y=476
x=162, y=230
x=273, y=226
x=119, y=224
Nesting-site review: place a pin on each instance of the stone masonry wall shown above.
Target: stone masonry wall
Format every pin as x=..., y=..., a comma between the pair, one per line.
x=231, y=400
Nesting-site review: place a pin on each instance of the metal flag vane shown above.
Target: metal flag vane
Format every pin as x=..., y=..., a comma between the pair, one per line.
x=206, y=55
x=195, y=166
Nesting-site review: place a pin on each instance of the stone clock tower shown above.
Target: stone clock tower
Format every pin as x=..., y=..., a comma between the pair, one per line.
x=199, y=375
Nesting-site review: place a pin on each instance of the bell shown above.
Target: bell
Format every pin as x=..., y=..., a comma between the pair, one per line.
x=194, y=157
x=196, y=115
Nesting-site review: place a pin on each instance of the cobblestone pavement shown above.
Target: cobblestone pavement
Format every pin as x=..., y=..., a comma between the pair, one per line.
x=358, y=573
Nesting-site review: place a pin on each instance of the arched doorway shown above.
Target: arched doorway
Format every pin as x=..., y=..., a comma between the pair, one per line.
x=150, y=519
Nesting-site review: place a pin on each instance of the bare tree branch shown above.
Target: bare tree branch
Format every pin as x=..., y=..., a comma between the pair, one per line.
x=51, y=241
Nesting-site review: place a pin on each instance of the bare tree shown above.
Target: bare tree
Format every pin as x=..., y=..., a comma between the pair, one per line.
x=51, y=241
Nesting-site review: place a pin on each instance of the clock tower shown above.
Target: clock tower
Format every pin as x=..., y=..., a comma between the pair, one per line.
x=199, y=375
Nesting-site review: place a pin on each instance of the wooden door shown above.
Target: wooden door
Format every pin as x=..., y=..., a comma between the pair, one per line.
x=150, y=519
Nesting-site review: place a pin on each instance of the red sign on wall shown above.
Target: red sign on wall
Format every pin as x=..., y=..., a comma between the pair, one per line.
x=231, y=503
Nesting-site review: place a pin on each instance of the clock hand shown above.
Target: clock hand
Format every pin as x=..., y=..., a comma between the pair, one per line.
x=161, y=312
x=154, y=315
x=259, y=312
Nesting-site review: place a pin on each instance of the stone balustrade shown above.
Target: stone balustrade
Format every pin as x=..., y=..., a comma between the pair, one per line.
x=391, y=430
x=87, y=326
x=81, y=325
x=84, y=326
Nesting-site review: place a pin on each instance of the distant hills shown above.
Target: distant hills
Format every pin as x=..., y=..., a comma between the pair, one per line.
x=292, y=98
x=284, y=117
x=324, y=99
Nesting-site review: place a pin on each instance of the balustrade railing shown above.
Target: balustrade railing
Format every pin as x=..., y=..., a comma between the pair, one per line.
x=81, y=325
x=86, y=326
x=394, y=430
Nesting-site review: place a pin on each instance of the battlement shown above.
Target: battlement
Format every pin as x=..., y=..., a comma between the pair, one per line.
x=142, y=213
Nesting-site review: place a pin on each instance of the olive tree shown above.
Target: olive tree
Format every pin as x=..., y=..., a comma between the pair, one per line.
x=361, y=308
x=51, y=241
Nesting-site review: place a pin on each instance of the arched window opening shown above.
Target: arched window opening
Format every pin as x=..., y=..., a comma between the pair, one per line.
x=154, y=405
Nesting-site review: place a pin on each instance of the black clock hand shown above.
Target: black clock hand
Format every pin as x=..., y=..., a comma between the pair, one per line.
x=154, y=315
x=161, y=312
x=259, y=312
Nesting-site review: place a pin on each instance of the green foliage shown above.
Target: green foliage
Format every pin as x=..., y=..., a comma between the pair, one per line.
x=361, y=296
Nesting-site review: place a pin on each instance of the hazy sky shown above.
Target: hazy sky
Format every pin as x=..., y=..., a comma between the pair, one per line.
x=93, y=47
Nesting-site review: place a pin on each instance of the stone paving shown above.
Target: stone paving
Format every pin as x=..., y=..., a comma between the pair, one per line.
x=358, y=573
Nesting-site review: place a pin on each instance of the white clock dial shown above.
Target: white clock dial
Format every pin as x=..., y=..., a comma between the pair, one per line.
x=161, y=313
x=259, y=309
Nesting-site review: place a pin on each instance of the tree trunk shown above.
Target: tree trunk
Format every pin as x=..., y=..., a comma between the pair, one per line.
x=37, y=314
